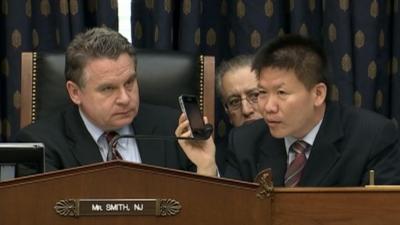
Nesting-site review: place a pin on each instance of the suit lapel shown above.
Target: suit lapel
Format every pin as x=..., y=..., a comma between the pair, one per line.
x=151, y=151
x=273, y=155
x=82, y=145
x=324, y=153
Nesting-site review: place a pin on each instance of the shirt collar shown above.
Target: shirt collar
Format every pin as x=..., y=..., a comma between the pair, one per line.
x=309, y=138
x=97, y=133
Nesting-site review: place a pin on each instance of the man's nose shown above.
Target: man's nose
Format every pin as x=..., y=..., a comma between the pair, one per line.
x=270, y=105
x=247, y=108
x=123, y=96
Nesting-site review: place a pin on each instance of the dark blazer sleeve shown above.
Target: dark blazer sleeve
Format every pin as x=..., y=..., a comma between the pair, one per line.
x=369, y=142
x=243, y=148
x=384, y=156
x=351, y=142
x=43, y=133
x=66, y=139
x=232, y=166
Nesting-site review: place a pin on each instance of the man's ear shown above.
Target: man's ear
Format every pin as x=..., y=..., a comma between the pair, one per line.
x=320, y=92
x=74, y=92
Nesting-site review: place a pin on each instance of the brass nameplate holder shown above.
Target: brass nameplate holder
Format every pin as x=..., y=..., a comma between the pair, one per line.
x=121, y=207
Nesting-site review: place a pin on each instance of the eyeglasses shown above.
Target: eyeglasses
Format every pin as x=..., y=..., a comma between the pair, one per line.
x=235, y=102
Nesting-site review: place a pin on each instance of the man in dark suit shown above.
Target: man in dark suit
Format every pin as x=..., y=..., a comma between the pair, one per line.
x=101, y=81
x=237, y=88
x=305, y=139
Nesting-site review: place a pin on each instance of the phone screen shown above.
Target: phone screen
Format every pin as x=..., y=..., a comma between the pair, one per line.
x=190, y=106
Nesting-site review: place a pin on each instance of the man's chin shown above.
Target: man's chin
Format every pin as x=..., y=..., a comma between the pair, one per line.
x=122, y=123
x=277, y=133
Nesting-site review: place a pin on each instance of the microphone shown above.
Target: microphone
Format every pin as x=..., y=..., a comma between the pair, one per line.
x=198, y=134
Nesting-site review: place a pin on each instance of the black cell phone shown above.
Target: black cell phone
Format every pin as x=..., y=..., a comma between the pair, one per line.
x=190, y=106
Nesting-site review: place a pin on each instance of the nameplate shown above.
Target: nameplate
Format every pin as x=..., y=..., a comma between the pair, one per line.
x=120, y=207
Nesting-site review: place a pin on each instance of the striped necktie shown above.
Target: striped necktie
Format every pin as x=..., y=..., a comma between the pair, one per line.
x=113, y=153
x=295, y=168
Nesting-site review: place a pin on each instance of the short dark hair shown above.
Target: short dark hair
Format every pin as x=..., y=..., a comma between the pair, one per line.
x=225, y=67
x=294, y=52
x=99, y=42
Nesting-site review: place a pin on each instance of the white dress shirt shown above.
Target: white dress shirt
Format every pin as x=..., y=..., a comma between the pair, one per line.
x=127, y=147
x=309, y=139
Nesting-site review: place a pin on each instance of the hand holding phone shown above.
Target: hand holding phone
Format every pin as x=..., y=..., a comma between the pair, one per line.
x=190, y=106
x=200, y=147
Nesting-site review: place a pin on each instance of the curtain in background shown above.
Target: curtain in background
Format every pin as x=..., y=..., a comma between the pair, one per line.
x=361, y=38
x=40, y=25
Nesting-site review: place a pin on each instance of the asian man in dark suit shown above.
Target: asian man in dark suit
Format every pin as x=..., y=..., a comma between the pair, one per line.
x=305, y=139
x=101, y=81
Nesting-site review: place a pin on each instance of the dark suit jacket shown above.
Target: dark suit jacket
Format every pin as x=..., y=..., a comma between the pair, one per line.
x=69, y=144
x=350, y=142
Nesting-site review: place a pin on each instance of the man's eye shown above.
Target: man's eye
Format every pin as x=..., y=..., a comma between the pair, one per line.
x=253, y=95
x=261, y=93
x=281, y=92
x=234, y=102
x=106, y=89
x=130, y=81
